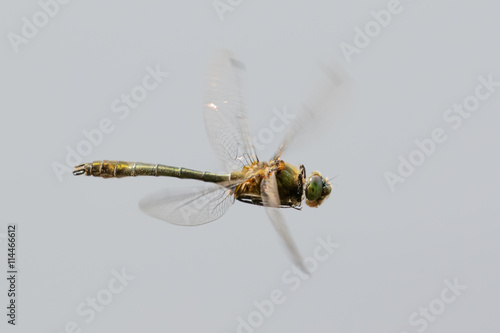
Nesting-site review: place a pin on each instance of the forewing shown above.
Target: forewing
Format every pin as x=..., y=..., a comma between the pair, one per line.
x=271, y=201
x=193, y=206
x=224, y=113
x=331, y=95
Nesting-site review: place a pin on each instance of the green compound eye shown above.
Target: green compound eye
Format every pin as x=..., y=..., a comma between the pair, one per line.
x=314, y=188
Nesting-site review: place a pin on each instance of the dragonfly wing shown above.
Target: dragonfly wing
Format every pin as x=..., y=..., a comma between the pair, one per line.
x=192, y=207
x=271, y=201
x=224, y=113
x=331, y=92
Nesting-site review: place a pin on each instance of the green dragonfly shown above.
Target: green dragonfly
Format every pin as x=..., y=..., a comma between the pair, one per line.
x=273, y=184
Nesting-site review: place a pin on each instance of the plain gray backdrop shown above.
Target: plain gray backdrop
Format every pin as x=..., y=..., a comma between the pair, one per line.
x=396, y=248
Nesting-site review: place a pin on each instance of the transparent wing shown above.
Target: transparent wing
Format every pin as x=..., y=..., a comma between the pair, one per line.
x=191, y=207
x=271, y=201
x=332, y=92
x=224, y=113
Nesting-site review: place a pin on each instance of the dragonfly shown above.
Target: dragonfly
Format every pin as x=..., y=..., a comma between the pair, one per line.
x=273, y=184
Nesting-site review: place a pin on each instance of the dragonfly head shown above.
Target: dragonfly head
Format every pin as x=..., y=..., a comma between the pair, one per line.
x=317, y=189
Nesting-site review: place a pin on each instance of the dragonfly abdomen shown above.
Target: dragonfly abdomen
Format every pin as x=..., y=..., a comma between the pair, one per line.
x=119, y=169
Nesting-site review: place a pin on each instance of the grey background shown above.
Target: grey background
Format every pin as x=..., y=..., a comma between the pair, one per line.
x=396, y=248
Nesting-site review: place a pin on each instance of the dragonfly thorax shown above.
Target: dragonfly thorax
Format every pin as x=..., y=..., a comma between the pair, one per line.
x=290, y=181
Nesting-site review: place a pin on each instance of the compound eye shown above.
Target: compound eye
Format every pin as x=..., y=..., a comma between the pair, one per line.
x=314, y=188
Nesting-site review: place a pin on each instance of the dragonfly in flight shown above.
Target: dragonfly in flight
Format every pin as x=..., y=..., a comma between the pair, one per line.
x=273, y=184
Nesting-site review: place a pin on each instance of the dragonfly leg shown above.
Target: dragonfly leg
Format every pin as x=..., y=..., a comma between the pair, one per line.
x=301, y=179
